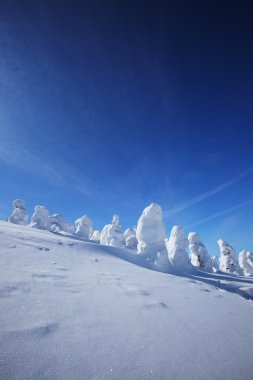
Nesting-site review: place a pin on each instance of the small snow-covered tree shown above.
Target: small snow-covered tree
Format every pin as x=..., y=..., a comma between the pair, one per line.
x=95, y=235
x=228, y=258
x=215, y=263
x=246, y=262
x=19, y=214
x=129, y=238
x=84, y=227
x=40, y=217
x=176, y=247
x=131, y=242
x=112, y=234
x=115, y=235
x=104, y=233
x=199, y=256
x=150, y=234
x=56, y=223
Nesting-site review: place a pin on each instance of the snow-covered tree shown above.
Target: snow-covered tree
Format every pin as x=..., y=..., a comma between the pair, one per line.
x=104, y=234
x=228, y=258
x=246, y=262
x=84, y=227
x=129, y=238
x=112, y=234
x=131, y=242
x=215, y=263
x=56, y=223
x=40, y=217
x=199, y=256
x=19, y=214
x=150, y=234
x=176, y=247
x=95, y=235
x=129, y=232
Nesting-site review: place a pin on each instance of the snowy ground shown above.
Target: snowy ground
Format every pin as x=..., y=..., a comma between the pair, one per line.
x=71, y=310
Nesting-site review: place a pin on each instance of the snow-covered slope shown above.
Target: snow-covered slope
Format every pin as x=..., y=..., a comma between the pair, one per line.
x=71, y=309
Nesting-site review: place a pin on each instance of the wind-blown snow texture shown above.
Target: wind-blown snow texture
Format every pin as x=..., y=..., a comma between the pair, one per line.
x=75, y=310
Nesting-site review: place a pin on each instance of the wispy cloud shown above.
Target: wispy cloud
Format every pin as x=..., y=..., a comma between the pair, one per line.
x=58, y=173
x=220, y=213
x=200, y=198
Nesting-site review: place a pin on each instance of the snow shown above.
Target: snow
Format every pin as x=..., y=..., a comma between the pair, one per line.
x=72, y=309
x=215, y=263
x=131, y=242
x=19, y=214
x=176, y=246
x=40, y=217
x=228, y=258
x=84, y=227
x=150, y=230
x=129, y=238
x=199, y=255
x=112, y=233
x=246, y=262
x=95, y=235
x=56, y=223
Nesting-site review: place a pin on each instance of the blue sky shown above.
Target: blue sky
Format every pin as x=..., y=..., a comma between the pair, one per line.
x=106, y=107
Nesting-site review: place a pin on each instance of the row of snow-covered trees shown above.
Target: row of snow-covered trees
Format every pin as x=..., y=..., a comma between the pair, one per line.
x=148, y=238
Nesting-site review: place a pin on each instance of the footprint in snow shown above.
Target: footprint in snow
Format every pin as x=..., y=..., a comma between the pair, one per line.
x=43, y=248
x=48, y=275
x=11, y=246
x=12, y=289
x=155, y=305
x=40, y=331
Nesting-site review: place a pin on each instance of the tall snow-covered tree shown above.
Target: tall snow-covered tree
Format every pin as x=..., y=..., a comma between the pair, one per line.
x=199, y=255
x=150, y=234
x=246, y=262
x=228, y=258
x=176, y=247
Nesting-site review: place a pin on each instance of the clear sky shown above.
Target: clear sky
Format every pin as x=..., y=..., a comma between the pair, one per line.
x=107, y=106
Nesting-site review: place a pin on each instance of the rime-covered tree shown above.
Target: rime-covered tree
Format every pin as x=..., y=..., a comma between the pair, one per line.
x=150, y=234
x=228, y=258
x=39, y=217
x=199, y=255
x=176, y=247
x=19, y=214
x=84, y=227
x=246, y=262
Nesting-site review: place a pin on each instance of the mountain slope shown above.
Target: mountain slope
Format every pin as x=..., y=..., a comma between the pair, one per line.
x=72, y=309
